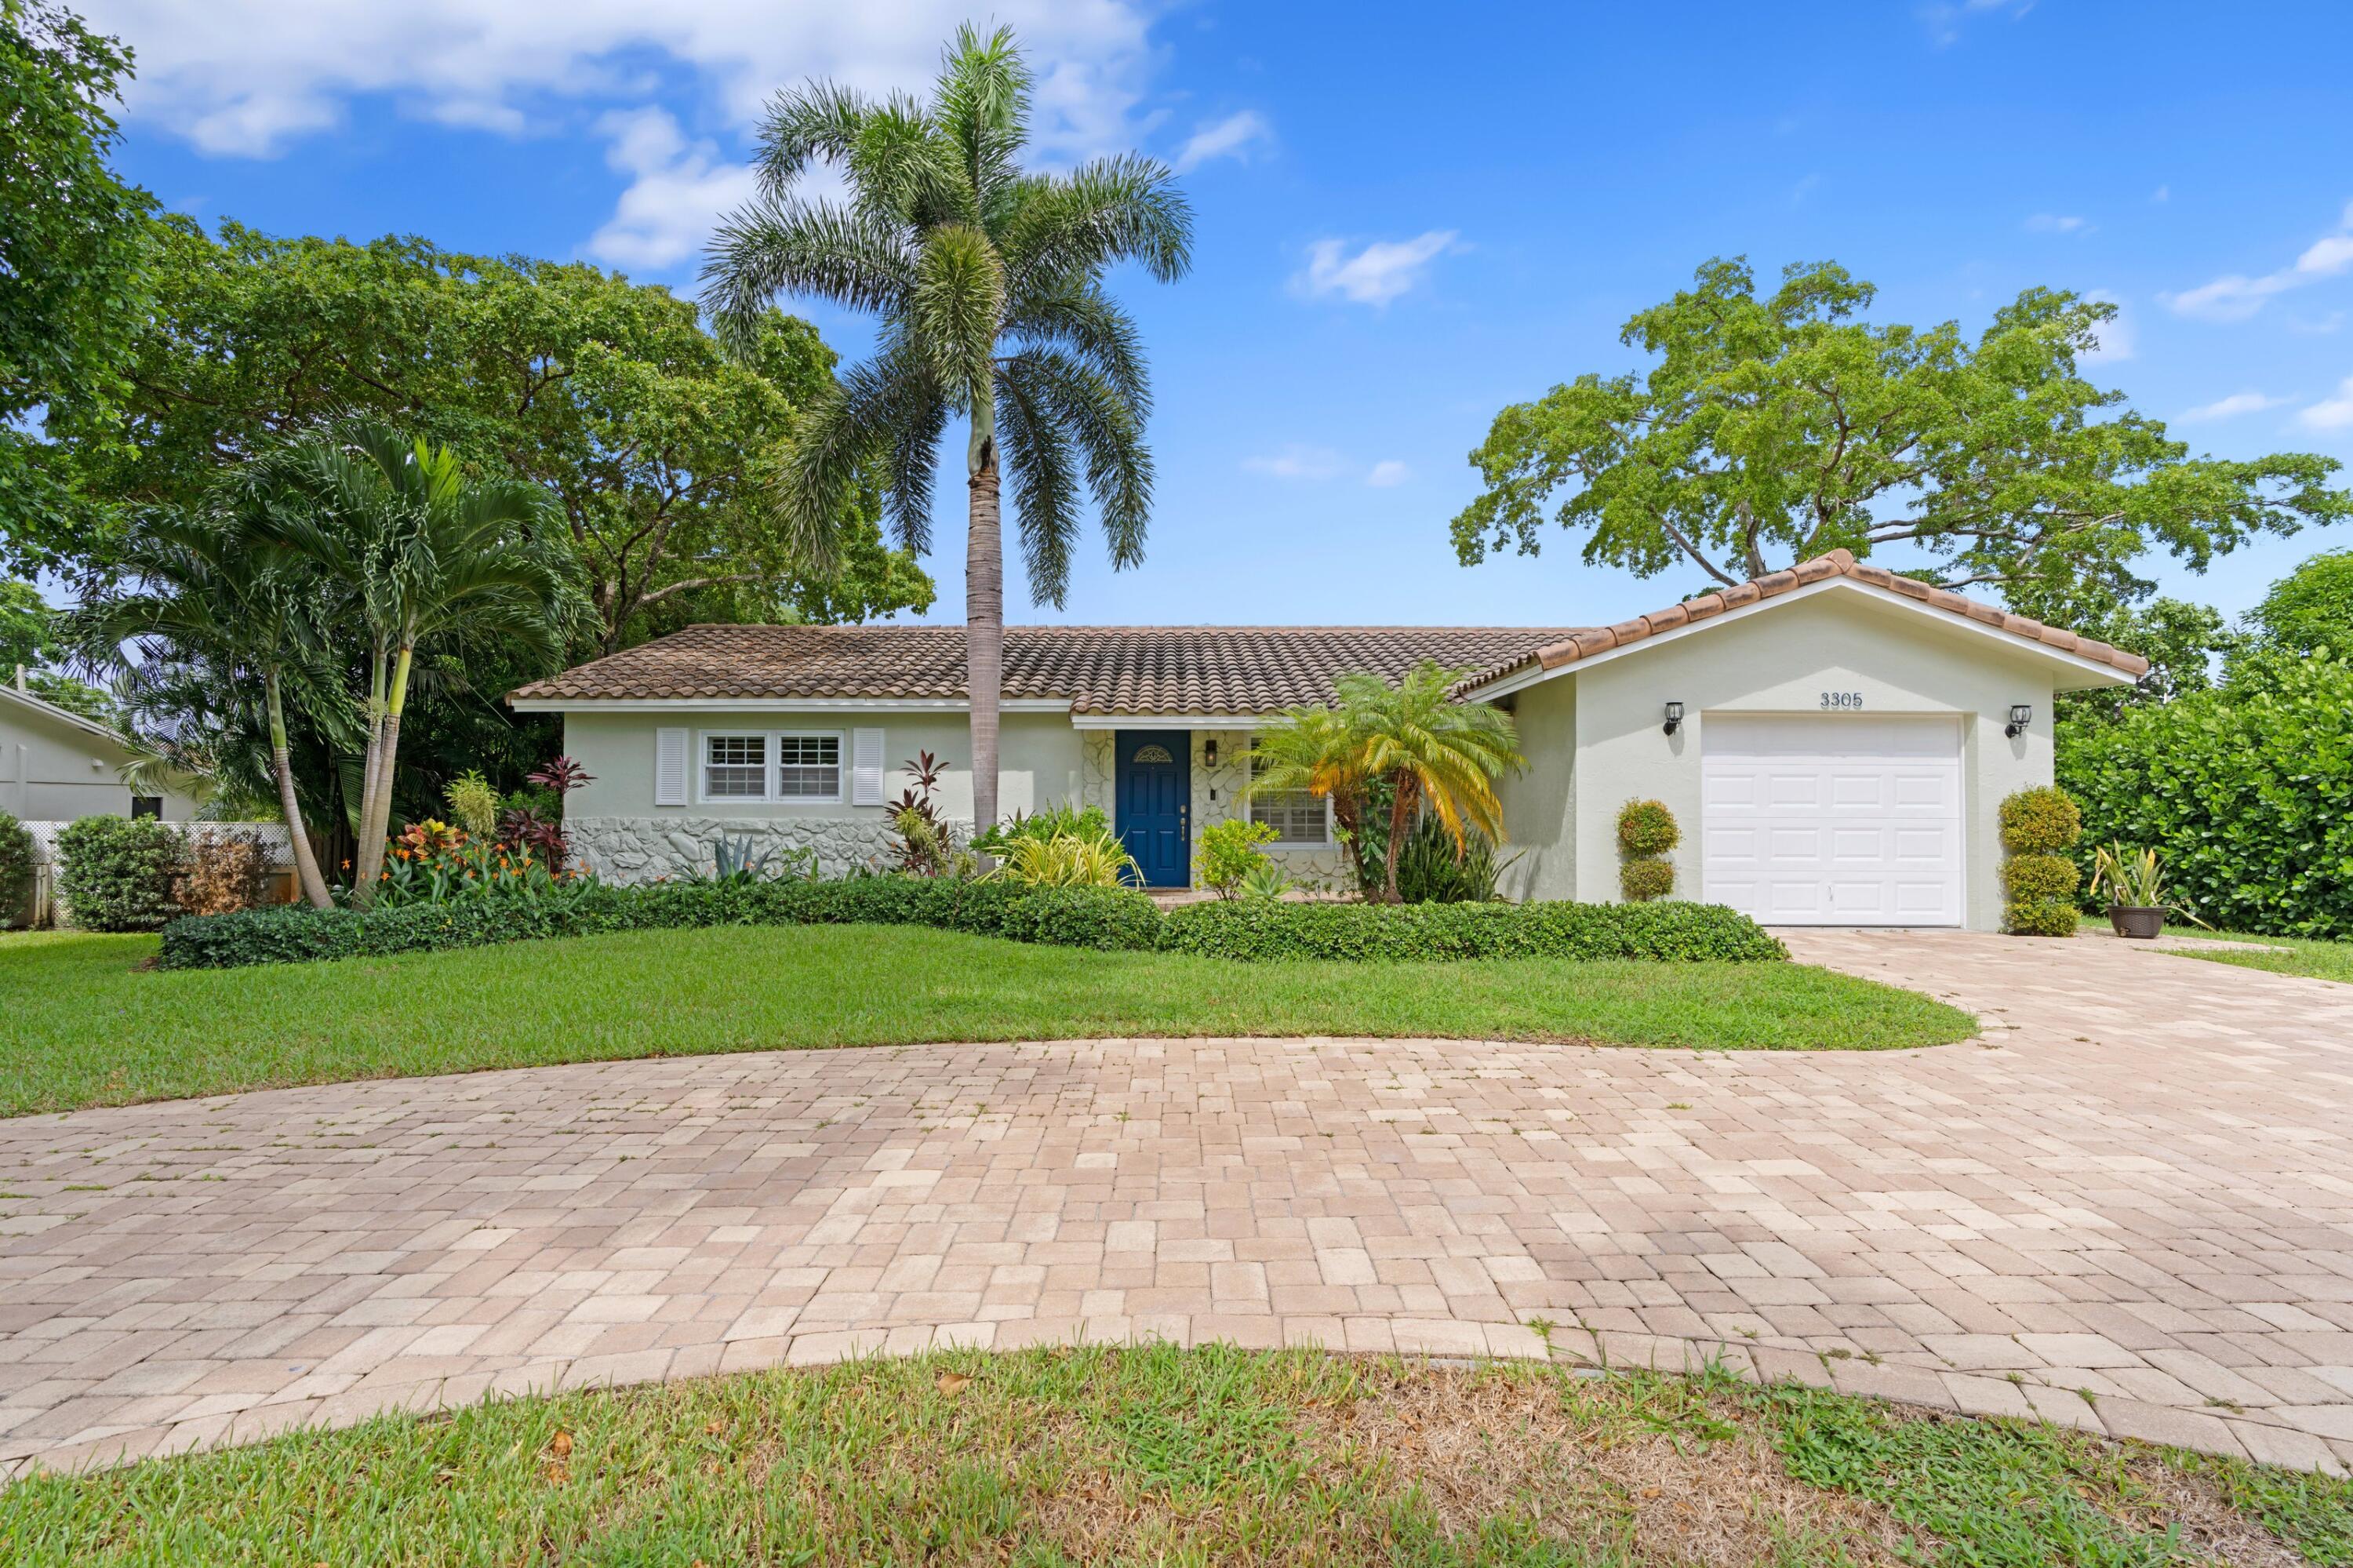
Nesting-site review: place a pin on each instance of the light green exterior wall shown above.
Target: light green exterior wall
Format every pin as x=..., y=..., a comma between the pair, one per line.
x=1540, y=801
x=1780, y=660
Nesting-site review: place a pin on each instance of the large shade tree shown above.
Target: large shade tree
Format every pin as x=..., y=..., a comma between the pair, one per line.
x=1770, y=428
x=987, y=284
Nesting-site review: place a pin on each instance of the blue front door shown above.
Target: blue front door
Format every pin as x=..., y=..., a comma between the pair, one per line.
x=1155, y=787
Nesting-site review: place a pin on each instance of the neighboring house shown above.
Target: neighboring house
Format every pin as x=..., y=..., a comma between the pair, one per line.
x=55, y=765
x=1844, y=738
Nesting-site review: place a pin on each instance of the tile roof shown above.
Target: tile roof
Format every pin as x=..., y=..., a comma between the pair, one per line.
x=1186, y=669
x=1594, y=639
x=1096, y=669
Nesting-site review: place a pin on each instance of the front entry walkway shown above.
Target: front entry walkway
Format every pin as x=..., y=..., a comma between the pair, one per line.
x=2130, y=1206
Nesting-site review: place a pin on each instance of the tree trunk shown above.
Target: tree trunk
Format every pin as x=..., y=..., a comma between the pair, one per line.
x=376, y=812
x=1349, y=813
x=984, y=628
x=1400, y=812
x=372, y=765
x=298, y=836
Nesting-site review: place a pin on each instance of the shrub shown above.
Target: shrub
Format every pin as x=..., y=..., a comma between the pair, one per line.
x=1051, y=822
x=1431, y=869
x=1262, y=931
x=116, y=873
x=2246, y=790
x=2044, y=918
x=1066, y=860
x=2044, y=821
x=2041, y=879
x=1639, y=881
x=474, y=803
x=1229, y=854
x=226, y=873
x=1108, y=918
x=1647, y=828
x=16, y=866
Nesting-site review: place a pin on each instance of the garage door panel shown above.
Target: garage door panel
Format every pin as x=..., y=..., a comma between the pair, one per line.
x=1836, y=820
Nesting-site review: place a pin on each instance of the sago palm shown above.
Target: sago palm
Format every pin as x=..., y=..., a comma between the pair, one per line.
x=987, y=282
x=420, y=553
x=213, y=587
x=1431, y=751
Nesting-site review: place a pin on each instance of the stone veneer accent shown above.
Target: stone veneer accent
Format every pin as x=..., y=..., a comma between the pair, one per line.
x=642, y=848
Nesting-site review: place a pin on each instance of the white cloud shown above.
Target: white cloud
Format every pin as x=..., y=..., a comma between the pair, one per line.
x=2056, y=223
x=2234, y=297
x=2229, y=407
x=1232, y=137
x=1943, y=18
x=2116, y=336
x=2162, y=192
x=1296, y=461
x=676, y=193
x=1388, y=474
x=2331, y=413
x=246, y=77
x=1374, y=275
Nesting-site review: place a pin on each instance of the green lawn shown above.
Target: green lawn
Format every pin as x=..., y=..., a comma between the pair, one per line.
x=2314, y=957
x=83, y=1025
x=1201, y=1456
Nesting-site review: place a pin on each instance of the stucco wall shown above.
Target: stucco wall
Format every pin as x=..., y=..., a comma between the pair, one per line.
x=1781, y=660
x=1218, y=796
x=616, y=827
x=1540, y=803
x=53, y=770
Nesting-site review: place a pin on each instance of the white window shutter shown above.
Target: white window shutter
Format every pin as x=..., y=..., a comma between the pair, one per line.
x=669, y=767
x=866, y=767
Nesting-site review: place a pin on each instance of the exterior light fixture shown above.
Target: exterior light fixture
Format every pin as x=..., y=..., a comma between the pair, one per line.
x=1209, y=752
x=2020, y=716
x=1674, y=717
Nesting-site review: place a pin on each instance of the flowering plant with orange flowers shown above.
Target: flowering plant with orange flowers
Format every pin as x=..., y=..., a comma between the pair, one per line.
x=434, y=862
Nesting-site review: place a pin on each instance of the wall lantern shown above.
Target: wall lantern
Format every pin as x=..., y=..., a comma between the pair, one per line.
x=1674, y=717
x=2020, y=716
x=1209, y=752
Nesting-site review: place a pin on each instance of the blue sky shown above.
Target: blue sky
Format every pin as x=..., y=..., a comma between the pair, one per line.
x=1407, y=217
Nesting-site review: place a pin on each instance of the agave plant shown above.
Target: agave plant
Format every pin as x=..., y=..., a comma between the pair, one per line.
x=2135, y=879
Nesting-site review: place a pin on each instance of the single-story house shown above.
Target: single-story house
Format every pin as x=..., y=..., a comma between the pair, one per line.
x=55, y=765
x=1834, y=739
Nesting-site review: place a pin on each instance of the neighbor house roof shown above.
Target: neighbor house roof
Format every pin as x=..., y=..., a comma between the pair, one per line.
x=1096, y=669
x=1587, y=641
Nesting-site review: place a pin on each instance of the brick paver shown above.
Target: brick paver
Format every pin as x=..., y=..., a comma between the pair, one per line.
x=2135, y=1187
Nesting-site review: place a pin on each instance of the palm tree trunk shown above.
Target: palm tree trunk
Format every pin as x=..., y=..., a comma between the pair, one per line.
x=1400, y=812
x=365, y=859
x=375, y=814
x=298, y=836
x=984, y=628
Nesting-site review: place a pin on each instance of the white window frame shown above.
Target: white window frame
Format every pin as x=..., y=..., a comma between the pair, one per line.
x=1250, y=808
x=772, y=751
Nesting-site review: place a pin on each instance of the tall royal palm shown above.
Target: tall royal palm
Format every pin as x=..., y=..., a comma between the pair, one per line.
x=987, y=281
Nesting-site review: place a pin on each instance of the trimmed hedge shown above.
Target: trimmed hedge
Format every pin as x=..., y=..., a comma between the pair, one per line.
x=1388, y=933
x=1109, y=919
x=117, y=873
x=1101, y=917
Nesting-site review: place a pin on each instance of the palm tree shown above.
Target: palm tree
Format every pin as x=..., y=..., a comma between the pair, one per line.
x=1431, y=751
x=417, y=552
x=214, y=587
x=1314, y=750
x=987, y=284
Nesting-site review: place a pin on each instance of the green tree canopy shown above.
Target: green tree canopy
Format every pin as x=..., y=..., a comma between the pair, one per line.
x=1771, y=428
x=2312, y=607
x=656, y=450
x=27, y=629
x=72, y=239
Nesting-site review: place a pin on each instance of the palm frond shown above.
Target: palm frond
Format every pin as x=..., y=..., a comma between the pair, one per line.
x=1080, y=318
x=953, y=311
x=1105, y=211
x=982, y=106
x=1088, y=411
x=1045, y=489
x=852, y=258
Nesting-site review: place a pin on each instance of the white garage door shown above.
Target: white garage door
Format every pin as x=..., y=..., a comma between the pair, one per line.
x=1835, y=820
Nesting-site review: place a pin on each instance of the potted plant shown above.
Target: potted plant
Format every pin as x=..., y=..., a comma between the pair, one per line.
x=2135, y=882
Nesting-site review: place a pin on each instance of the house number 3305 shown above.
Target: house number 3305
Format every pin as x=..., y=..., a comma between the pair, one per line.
x=1841, y=699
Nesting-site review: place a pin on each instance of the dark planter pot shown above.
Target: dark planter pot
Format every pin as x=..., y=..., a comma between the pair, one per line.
x=2141, y=924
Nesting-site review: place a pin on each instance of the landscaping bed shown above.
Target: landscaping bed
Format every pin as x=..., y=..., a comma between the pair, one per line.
x=86, y=1026
x=1213, y=1454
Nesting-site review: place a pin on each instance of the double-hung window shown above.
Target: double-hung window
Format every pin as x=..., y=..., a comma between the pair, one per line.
x=1297, y=816
x=759, y=765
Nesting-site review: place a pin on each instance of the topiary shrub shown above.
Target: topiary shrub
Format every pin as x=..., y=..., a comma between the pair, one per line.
x=2043, y=820
x=1265, y=931
x=16, y=868
x=118, y=873
x=2038, y=826
x=1639, y=881
x=1646, y=832
x=1646, y=828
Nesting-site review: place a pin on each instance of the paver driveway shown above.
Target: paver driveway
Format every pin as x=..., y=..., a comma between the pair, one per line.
x=2136, y=1185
